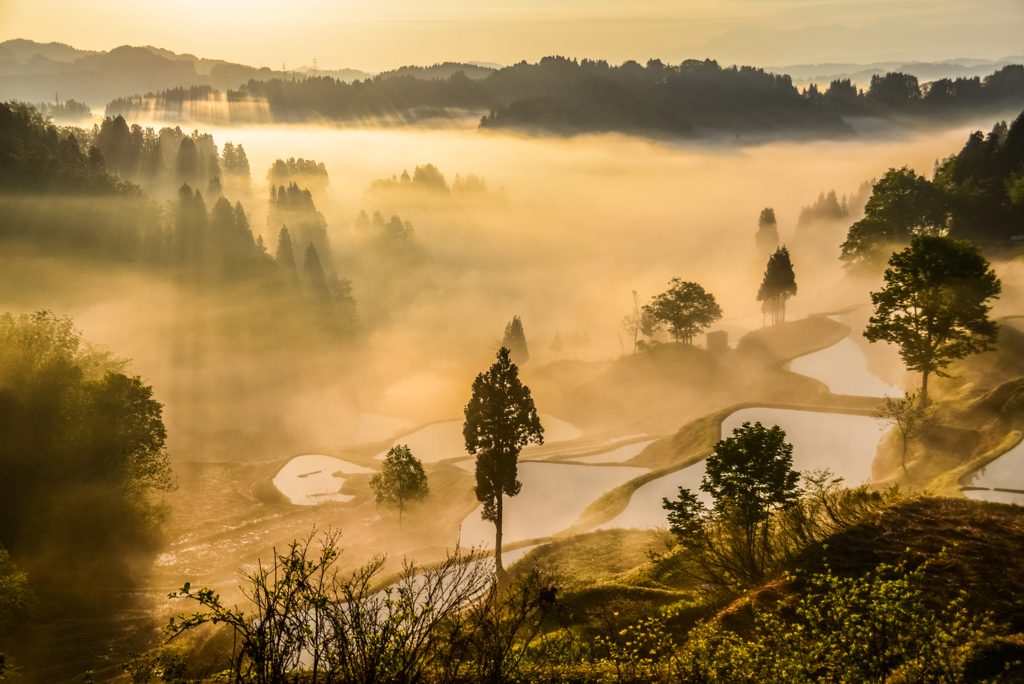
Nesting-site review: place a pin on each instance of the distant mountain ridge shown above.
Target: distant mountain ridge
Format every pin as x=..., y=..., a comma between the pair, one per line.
x=823, y=74
x=35, y=71
x=892, y=40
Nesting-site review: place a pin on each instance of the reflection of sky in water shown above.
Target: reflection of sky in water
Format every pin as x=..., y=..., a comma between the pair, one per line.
x=616, y=455
x=309, y=480
x=444, y=440
x=844, y=368
x=552, y=499
x=645, y=506
x=1006, y=472
x=844, y=444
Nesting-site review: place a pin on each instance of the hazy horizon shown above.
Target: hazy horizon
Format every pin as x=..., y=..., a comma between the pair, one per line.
x=382, y=36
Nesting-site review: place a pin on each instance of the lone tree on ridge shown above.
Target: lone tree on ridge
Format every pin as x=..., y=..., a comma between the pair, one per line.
x=686, y=308
x=500, y=420
x=779, y=284
x=401, y=480
x=934, y=305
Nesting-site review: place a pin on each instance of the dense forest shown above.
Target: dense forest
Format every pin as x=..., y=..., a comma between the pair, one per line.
x=565, y=96
x=101, y=211
x=976, y=194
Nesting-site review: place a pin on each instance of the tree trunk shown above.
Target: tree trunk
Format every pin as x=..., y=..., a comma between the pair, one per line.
x=499, y=569
x=924, y=390
x=904, y=461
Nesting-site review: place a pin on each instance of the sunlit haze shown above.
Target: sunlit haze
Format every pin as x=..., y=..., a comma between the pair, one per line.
x=386, y=34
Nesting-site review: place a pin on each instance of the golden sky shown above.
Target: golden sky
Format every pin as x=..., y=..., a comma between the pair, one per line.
x=382, y=34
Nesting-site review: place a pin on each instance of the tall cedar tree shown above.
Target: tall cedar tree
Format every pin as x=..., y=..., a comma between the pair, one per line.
x=515, y=341
x=767, y=236
x=285, y=256
x=500, y=420
x=686, y=308
x=401, y=480
x=779, y=284
x=313, y=273
x=934, y=305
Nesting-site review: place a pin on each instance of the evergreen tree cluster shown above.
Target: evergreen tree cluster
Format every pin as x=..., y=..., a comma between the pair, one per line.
x=429, y=180
x=305, y=171
x=567, y=96
x=99, y=215
x=977, y=194
x=36, y=156
x=779, y=285
x=69, y=110
x=294, y=207
x=767, y=236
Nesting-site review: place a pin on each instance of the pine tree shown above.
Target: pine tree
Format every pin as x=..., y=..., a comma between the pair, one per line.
x=767, y=236
x=515, y=341
x=313, y=275
x=501, y=419
x=779, y=285
x=285, y=256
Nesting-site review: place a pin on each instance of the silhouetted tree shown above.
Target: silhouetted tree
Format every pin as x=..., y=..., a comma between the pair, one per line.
x=934, y=305
x=82, y=456
x=500, y=420
x=686, y=308
x=313, y=275
x=187, y=164
x=515, y=341
x=243, y=229
x=779, y=285
x=902, y=205
x=767, y=236
x=285, y=256
x=557, y=345
x=750, y=475
x=401, y=480
x=909, y=415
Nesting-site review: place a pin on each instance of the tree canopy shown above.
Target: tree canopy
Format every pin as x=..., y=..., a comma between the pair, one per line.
x=83, y=453
x=686, y=309
x=934, y=305
x=501, y=419
x=902, y=205
x=401, y=480
x=749, y=476
x=779, y=285
x=767, y=236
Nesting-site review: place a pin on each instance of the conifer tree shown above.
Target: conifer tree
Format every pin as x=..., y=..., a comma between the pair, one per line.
x=313, y=275
x=767, y=236
x=779, y=285
x=285, y=256
x=501, y=419
x=515, y=341
x=242, y=228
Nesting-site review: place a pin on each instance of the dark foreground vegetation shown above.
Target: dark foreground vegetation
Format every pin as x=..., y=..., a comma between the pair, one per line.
x=902, y=589
x=563, y=96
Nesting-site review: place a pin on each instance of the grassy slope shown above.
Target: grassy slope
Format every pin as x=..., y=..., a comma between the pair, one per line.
x=970, y=546
x=979, y=416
